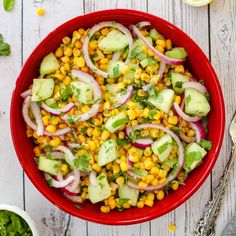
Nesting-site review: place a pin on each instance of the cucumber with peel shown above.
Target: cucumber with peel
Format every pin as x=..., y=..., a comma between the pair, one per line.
x=82, y=91
x=116, y=122
x=126, y=192
x=177, y=81
x=48, y=165
x=49, y=64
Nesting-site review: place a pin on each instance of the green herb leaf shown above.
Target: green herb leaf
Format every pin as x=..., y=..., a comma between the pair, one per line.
x=8, y=4
x=178, y=84
x=207, y=145
x=152, y=112
x=116, y=176
x=48, y=148
x=139, y=172
x=82, y=162
x=122, y=142
x=82, y=130
x=176, y=129
x=5, y=49
x=122, y=201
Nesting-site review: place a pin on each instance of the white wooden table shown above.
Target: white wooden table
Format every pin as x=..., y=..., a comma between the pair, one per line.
x=212, y=27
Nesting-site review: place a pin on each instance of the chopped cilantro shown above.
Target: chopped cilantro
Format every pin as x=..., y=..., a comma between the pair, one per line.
x=82, y=162
x=122, y=201
x=178, y=84
x=122, y=142
x=48, y=148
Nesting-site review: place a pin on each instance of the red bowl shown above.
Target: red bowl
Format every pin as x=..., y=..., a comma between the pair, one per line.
x=199, y=66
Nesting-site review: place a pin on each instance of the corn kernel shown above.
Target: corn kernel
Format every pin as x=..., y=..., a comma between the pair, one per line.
x=142, y=184
x=140, y=204
x=191, y=133
x=92, y=145
x=67, y=81
x=68, y=51
x=105, y=135
x=145, y=77
x=116, y=168
x=154, y=182
x=178, y=99
x=160, y=49
x=160, y=195
x=124, y=166
x=147, y=152
x=161, y=43
x=168, y=44
x=81, y=138
x=126, y=205
x=64, y=169
x=173, y=120
x=131, y=114
x=172, y=228
x=79, y=62
x=149, y=203
x=154, y=170
x=51, y=128
x=148, y=165
x=37, y=151
x=179, y=69
x=40, y=11
x=175, y=185
x=104, y=61
x=149, y=179
x=96, y=167
x=45, y=120
x=59, y=52
x=105, y=209
x=120, y=180
x=65, y=59
x=56, y=141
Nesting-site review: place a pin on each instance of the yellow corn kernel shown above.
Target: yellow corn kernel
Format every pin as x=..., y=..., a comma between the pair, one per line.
x=29, y=132
x=160, y=49
x=65, y=59
x=62, y=126
x=179, y=69
x=142, y=184
x=168, y=44
x=67, y=80
x=96, y=167
x=89, y=131
x=145, y=77
x=172, y=228
x=140, y=204
x=78, y=44
x=191, y=133
x=131, y=104
x=149, y=179
x=64, y=169
x=55, y=142
x=160, y=195
x=162, y=173
x=154, y=170
x=43, y=112
x=92, y=145
x=59, y=52
x=154, y=182
x=151, y=196
x=40, y=11
x=105, y=209
x=93, y=44
x=106, y=105
x=124, y=166
x=178, y=99
x=68, y=51
x=85, y=109
x=105, y=67
x=147, y=152
x=126, y=205
x=125, y=69
x=104, y=61
x=131, y=114
x=149, y=202
x=134, y=122
x=81, y=138
x=79, y=62
x=37, y=151
x=154, y=133
x=173, y=120
x=55, y=121
x=121, y=135
x=104, y=31
x=60, y=77
x=148, y=165
x=113, y=136
x=40, y=139
x=112, y=204
x=66, y=40
x=51, y=128
x=120, y=180
x=141, y=93
x=109, y=166
x=116, y=168
x=67, y=66
x=175, y=185
x=161, y=42
x=105, y=135
x=138, y=73
x=45, y=120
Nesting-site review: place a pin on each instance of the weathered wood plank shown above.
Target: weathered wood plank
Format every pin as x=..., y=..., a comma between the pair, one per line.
x=50, y=219
x=194, y=21
x=223, y=51
x=11, y=174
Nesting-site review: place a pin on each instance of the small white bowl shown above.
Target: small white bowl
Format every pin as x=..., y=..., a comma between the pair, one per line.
x=23, y=215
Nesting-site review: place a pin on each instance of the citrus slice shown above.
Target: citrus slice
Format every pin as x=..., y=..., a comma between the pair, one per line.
x=197, y=3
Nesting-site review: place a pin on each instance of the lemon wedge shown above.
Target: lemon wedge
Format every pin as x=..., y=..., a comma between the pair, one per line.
x=197, y=3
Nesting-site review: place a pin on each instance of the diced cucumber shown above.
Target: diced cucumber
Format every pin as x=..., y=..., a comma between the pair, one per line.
x=177, y=53
x=51, y=102
x=196, y=102
x=82, y=91
x=140, y=43
x=42, y=89
x=111, y=88
x=115, y=68
x=177, y=80
x=162, y=147
x=144, y=63
x=49, y=64
x=131, y=73
x=171, y=162
x=107, y=152
x=115, y=122
x=126, y=192
x=48, y=165
x=100, y=191
x=114, y=41
x=194, y=154
x=154, y=34
x=164, y=100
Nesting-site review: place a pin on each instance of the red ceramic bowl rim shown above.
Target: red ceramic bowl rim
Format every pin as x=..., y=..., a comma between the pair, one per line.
x=207, y=170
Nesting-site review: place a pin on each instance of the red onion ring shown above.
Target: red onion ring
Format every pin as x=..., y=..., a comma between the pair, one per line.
x=116, y=55
x=38, y=118
x=143, y=24
x=68, y=154
x=73, y=145
x=75, y=199
x=58, y=111
x=186, y=138
x=180, y=159
x=93, y=178
x=195, y=85
x=199, y=130
x=133, y=175
x=57, y=155
x=26, y=93
x=124, y=98
x=86, y=78
x=183, y=115
x=142, y=142
x=92, y=31
x=163, y=57
x=146, y=87
x=57, y=183
x=161, y=69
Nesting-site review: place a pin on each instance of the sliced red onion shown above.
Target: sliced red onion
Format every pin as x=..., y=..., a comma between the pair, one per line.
x=199, y=130
x=58, y=111
x=163, y=57
x=68, y=154
x=161, y=69
x=183, y=115
x=38, y=118
x=73, y=145
x=129, y=163
x=57, y=183
x=86, y=78
x=26, y=93
x=123, y=98
x=142, y=142
x=143, y=24
x=116, y=55
x=92, y=31
x=133, y=175
x=196, y=85
x=57, y=155
x=186, y=138
x=180, y=159
x=59, y=132
x=25, y=113
x=93, y=178
x=75, y=199
x=146, y=87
